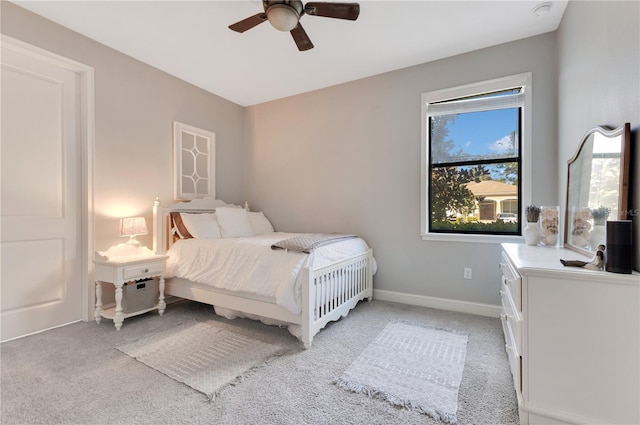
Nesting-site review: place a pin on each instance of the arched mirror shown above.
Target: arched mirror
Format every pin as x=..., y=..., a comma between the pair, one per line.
x=597, y=187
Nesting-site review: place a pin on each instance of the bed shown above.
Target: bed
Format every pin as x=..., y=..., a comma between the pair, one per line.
x=308, y=289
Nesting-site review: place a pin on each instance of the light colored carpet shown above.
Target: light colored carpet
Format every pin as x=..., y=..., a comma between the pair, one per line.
x=415, y=367
x=203, y=356
x=76, y=375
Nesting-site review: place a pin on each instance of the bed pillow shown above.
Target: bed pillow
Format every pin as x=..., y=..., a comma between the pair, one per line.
x=181, y=229
x=202, y=226
x=259, y=223
x=234, y=222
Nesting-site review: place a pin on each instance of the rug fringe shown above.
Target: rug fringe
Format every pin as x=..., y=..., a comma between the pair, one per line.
x=394, y=400
x=211, y=397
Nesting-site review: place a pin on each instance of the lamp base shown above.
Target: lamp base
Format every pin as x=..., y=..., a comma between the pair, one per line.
x=133, y=241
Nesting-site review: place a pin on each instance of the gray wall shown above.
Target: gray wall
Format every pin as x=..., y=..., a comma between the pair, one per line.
x=347, y=159
x=598, y=82
x=135, y=106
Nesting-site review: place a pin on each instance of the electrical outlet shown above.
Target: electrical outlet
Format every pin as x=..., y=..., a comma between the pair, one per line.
x=467, y=273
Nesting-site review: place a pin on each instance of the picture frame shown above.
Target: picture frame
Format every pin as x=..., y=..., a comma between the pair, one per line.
x=194, y=159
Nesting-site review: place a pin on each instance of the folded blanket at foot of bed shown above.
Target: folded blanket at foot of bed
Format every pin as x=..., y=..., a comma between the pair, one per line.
x=307, y=242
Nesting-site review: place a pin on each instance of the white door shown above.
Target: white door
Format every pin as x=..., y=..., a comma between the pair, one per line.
x=41, y=179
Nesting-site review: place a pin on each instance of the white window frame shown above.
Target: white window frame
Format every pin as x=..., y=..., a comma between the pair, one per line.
x=524, y=80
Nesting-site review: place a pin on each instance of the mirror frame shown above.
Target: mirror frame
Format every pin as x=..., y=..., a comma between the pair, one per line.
x=624, y=132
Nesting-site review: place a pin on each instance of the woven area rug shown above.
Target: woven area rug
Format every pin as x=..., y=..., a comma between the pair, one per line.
x=411, y=366
x=205, y=357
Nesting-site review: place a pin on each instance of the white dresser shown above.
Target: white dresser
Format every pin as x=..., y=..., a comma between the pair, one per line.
x=572, y=337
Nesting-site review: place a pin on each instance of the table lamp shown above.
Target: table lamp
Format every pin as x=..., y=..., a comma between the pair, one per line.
x=132, y=227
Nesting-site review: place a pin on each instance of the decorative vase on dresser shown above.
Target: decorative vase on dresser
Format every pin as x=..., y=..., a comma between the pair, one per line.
x=549, y=223
x=572, y=338
x=531, y=233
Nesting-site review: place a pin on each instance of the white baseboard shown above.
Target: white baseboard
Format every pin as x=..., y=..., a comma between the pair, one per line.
x=488, y=310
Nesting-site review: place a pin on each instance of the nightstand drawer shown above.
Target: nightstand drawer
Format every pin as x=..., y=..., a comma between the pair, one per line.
x=134, y=272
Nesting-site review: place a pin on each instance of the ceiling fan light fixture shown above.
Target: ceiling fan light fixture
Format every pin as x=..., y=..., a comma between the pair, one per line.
x=282, y=17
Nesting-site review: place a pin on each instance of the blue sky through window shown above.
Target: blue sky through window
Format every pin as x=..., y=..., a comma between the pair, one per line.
x=485, y=133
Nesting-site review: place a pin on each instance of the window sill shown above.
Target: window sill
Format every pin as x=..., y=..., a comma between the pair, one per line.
x=466, y=238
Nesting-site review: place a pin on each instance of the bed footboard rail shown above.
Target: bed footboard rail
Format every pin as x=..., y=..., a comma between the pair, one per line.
x=331, y=291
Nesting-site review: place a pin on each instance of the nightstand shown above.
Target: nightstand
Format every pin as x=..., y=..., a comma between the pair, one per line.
x=119, y=271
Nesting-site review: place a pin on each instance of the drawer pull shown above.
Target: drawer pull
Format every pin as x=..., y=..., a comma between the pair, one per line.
x=506, y=317
x=146, y=270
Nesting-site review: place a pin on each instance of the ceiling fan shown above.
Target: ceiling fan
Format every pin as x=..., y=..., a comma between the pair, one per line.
x=284, y=15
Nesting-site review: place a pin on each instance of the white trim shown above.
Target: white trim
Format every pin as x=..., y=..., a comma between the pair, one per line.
x=478, y=88
x=469, y=238
x=524, y=80
x=87, y=143
x=557, y=415
x=40, y=331
x=476, y=104
x=479, y=309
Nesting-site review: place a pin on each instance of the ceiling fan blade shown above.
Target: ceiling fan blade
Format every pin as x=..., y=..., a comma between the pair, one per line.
x=248, y=23
x=301, y=38
x=348, y=11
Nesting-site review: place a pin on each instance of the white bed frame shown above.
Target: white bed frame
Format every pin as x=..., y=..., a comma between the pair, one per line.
x=328, y=292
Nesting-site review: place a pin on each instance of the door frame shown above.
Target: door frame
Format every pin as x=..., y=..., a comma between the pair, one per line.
x=86, y=145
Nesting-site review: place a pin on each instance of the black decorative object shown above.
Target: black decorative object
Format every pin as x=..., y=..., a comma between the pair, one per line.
x=619, y=246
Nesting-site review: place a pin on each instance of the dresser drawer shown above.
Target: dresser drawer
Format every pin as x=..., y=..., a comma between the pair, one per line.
x=515, y=364
x=138, y=271
x=513, y=353
x=512, y=281
x=513, y=319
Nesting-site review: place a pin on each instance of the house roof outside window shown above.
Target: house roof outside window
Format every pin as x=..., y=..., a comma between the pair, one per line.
x=492, y=188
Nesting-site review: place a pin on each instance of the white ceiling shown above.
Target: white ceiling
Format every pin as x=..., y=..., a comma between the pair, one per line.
x=191, y=39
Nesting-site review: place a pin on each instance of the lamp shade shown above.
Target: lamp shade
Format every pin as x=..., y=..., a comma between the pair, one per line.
x=132, y=226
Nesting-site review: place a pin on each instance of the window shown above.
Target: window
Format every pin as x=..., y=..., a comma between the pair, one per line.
x=510, y=206
x=476, y=139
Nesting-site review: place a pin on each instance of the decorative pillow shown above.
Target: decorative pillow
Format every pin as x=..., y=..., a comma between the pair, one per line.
x=202, y=226
x=259, y=223
x=234, y=222
x=181, y=229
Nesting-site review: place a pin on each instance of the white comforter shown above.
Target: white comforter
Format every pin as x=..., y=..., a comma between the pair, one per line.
x=250, y=265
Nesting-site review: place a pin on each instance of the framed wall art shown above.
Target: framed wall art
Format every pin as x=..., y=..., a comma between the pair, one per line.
x=194, y=159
